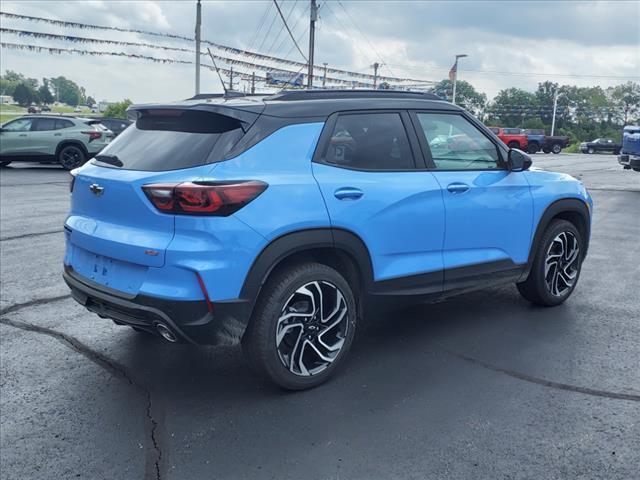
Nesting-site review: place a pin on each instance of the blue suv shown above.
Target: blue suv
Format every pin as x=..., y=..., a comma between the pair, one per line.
x=274, y=221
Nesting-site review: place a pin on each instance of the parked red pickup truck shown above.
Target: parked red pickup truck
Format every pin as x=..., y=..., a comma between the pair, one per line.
x=513, y=137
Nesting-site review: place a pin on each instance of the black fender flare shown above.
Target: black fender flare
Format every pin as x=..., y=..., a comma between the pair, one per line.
x=555, y=209
x=298, y=241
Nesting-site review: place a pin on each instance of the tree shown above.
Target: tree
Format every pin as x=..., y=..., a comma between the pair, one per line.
x=626, y=97
x=512, y=106
x=45, y=94
x=23, y=94
x=66, y=91
x=91, y=101
x=466, y=95
x=118, y=110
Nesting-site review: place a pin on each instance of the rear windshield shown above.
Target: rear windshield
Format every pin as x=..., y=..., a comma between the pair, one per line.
x=163, y=140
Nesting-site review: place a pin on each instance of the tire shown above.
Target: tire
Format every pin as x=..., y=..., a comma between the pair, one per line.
x=533, y=148
x=4, y=163
x=546, y=150
x=514, y=145
x=591, y=150
x=295, y=290
x=561, y=246
x=71, y=156
x=616, y=152
x=556, y=148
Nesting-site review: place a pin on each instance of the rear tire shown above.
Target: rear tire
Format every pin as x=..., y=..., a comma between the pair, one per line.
x=514, y=145
x=71, y=156
x=533, y=148
x=556, y=148
x=556, y=265
x=591, y=151
x=302, y=327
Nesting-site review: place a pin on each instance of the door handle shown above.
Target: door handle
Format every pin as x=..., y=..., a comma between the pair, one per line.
x=57, y=134
x=22, y=135
x=348, y=193
x=458, y=187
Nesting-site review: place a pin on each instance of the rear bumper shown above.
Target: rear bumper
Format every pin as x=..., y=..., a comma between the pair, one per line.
x=190, y=321
x=631, y=161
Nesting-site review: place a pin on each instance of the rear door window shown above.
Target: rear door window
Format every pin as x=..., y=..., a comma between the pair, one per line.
x=370, y=141
x=44, y=124
x=162, y=140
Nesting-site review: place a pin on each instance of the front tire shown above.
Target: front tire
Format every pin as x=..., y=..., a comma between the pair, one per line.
x=591, y=150
x=556, y=265
x=4, y=163
x=71, y=156
x=302, y=327
x=514, y=145
x=533, y=148
x=556, y=149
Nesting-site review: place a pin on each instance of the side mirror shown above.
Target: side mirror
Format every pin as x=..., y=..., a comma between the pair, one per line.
x=517, y=160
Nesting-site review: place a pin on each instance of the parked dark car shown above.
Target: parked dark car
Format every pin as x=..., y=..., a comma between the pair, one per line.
x=116, y=125
x=600, y=145
x=45, y=108
x=537, y=141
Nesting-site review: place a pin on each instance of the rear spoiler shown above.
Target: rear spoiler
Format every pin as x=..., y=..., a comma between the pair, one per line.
x=246, y=117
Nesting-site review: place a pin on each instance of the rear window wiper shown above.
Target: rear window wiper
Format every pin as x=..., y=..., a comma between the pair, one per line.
x=110, y=159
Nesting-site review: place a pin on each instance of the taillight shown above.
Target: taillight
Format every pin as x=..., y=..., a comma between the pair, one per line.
x=206, y=198
x=93, y=134
x=72, y=180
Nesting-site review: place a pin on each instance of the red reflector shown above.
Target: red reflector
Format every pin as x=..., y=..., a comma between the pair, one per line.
x=215, y=198
x=204, y=292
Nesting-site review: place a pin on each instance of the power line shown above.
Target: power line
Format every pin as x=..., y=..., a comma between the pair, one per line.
x=277, y=37
x=497, y=72
x=288, y=30
x=364, y=36
x=260, y=25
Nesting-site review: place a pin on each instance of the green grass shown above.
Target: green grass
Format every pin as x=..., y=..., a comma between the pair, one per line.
x=10, y=116
x=573, y=148
x=5, y=107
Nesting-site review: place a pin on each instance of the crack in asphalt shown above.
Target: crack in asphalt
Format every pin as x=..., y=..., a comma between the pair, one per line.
x=548, y=383
x=153, y=462
x=32, y=303
x=28, y=235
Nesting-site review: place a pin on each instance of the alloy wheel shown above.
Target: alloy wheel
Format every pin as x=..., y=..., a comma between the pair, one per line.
x=312, y=328
x=562, y=264
x=71, y=157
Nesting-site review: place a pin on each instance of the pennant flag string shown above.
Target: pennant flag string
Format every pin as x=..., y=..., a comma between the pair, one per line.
x=99, y=41
x=58, y=51
x=237, y=51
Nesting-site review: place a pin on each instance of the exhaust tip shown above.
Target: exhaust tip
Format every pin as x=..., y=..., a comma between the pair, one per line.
x=166, y=333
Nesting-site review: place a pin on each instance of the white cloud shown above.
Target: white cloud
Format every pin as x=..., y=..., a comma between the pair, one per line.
x=414, y=39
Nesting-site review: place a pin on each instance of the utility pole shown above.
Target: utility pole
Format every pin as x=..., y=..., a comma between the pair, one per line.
x=231, y=79
x=555, y=107
x=375, y=74
x=324, y=77
x=198, y=23
x=253, y=82
x=313, y=16
x=455, y=77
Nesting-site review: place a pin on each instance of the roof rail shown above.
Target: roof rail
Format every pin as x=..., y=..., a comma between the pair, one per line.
x=229, y=94
x=342, y=94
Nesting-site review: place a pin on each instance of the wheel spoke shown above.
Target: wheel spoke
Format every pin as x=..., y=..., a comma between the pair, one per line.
x=561, y=265
x=307, y=340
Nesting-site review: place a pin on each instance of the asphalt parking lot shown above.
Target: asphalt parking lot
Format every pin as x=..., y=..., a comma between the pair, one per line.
x=480, y=386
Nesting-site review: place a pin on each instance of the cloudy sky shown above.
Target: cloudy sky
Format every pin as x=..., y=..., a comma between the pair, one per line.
x=510, y=44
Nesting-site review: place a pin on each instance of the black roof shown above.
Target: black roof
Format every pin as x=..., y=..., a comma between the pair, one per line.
x=315, y=104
